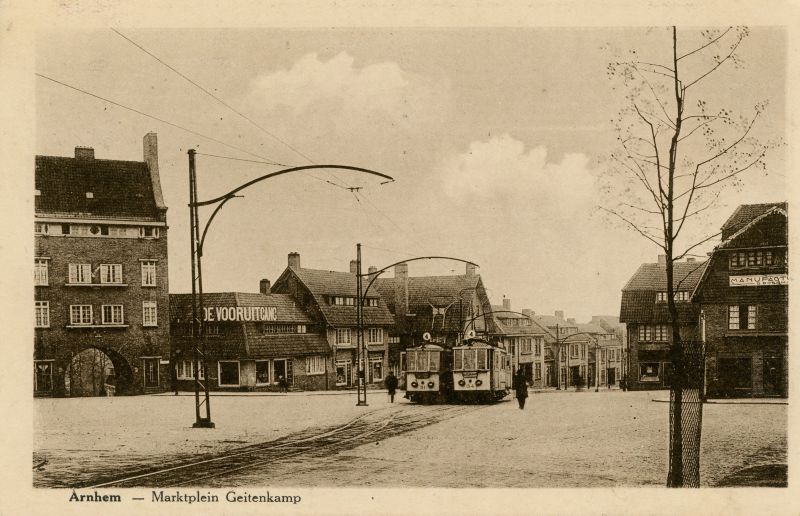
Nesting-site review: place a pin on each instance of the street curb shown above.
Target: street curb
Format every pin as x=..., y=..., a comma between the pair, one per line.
x=257, y=394
x=721, y=402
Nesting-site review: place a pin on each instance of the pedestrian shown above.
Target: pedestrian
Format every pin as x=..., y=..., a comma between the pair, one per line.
x=520, y=384
x=282, y=384
x=391, y=385
x=624, y=382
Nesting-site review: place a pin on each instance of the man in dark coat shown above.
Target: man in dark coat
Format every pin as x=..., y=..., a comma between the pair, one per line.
x=520, y=387
x=391, y=385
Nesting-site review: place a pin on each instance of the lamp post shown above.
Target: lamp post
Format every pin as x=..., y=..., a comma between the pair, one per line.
x=197, y=241
x=360, y=297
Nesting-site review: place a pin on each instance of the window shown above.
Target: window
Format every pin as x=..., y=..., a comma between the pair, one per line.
x=111, y=273
x=80, y=315
x=42, y=314
x=262, y=372
x=185, y=370
x=376, y=369
x=375, y=336
x=394, y=339
x=583, y=350
x=148, y=232
x=151, y=372
x=537, y=347
x=649, y=372
x=228, y=373
x=751, y=317
x=537, y=370
x=315, y=364
x=661, y=333
x=372, y=301
x=682, y=295
x=270, y=328
x=344, y=301
x=343, y=336
x=733, y=317
x=80, y=273
x=527, y=346
x=564, y=375
x=44, y=375
x=573, y=351
x=40, y=228
x=149, y=313
x=645, y=333
x=661, y=297
x=737, y=260
x=112, y=314
x=41, y=276
x=148, y=273
x=755, y=259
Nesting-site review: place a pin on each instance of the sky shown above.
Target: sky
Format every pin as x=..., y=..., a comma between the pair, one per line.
x=497, y=139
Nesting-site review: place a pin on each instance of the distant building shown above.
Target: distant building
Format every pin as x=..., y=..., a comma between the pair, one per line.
x=605, y=358
x=330, y=298
x=646, y=315
x=100, y=275
x=557, y=324
x=743, y=295
x=525, y=341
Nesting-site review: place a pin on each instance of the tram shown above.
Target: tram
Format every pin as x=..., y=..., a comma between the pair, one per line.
x=427, y=379
x=481, y=372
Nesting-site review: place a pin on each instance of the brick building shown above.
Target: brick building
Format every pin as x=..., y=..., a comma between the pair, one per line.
x=743, y=295
x=251, y=341
x=525, y=340
x=646, y=315
x=100, y=275
x=329, y=297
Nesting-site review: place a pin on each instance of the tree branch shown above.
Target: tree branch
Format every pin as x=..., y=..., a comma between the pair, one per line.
x=706, y=45
x=733, y=49
x=634, y=226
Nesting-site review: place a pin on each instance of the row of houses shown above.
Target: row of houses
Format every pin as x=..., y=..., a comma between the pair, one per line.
x=105, y=320
x=732, y=310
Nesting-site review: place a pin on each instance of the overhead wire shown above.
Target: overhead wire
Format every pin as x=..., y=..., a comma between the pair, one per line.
x=218, y=99
x=268, y=163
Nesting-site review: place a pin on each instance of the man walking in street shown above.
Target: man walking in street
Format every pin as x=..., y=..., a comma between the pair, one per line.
x=391, y=385
x=520, y=385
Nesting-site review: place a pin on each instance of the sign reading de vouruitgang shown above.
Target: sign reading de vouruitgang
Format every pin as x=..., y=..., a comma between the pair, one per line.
x=240, y=313
x=758, y=281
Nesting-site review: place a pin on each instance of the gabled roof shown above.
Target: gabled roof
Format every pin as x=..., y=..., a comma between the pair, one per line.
x=534, y=329
x=284, y=346
x=745, y=227
x=653, y=276
x=180, y=305
x=424, y=291
x=592, y=328
x=323, y=284
x=120, y=189
x=746, y=213
x=550, y=321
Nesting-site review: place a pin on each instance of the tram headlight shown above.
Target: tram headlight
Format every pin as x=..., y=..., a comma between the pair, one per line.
x=462, y=383
x=478, y=382
x=430, y=384
x=414, y=384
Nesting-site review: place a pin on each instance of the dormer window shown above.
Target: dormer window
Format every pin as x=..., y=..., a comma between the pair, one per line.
x=148, y=232
x=661, y=297
x=89, y=195
x=343, y=301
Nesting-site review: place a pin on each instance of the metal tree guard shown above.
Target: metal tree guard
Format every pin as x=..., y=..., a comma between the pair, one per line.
x=198, y=319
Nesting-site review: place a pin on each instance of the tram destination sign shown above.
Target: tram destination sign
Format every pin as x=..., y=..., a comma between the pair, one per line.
x=240, y=313
x=758, y=281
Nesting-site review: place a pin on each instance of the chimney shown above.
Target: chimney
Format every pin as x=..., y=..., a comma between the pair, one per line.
x=560, y=314
x=353, y=266
x=470, y=270
x=401, y=293
x=372, y=270
x=506, y=303
x=294, y=260
x=662, y=259
x=150, y=144
x=84, y=153
x=691, y=260
x=528, y=312
x=264, y=286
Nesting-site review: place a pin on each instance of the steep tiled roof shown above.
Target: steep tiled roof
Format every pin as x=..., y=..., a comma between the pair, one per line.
x=180, y=305
x=745, y=213
x=591, y=328
x=281, y=346
x=323, y=284
x=549, y=321
x=120, y=189
x=653, y=276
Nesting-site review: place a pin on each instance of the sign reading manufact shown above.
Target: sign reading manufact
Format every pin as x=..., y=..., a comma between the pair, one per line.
x=240, y=313
x=759, y=281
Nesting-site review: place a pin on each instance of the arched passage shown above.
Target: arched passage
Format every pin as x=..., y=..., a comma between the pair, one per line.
x=97, y=371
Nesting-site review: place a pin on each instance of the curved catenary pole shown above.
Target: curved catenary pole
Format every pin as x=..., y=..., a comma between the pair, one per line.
x=288, y=171
x=208, y=222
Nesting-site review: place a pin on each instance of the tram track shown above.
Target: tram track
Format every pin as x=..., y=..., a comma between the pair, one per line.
x=372, y=426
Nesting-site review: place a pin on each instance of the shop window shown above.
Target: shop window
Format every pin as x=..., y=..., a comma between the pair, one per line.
x=315, y=364
x=228, y=373
x=376, y=369
x=649, y=372
x=262, y=372
x=343, y=372
x=185, y=370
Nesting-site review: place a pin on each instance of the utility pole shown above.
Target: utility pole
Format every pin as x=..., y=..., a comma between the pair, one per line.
x=360, y=351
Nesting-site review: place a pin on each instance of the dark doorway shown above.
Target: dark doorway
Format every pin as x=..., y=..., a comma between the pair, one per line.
x=611, y=374
x=773, y=375
x=735, y=376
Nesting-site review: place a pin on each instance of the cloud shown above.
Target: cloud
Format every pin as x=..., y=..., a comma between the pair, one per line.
x=501, y=170
x=311, y=81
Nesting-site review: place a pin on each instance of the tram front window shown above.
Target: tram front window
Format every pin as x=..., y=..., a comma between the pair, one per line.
x=481, y=359
x=422, y=361
x=434, y=361
x=411, y=361
x=458, y=359
x=469, y=359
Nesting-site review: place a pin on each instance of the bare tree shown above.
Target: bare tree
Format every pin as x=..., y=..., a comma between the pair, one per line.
x=676, y=155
